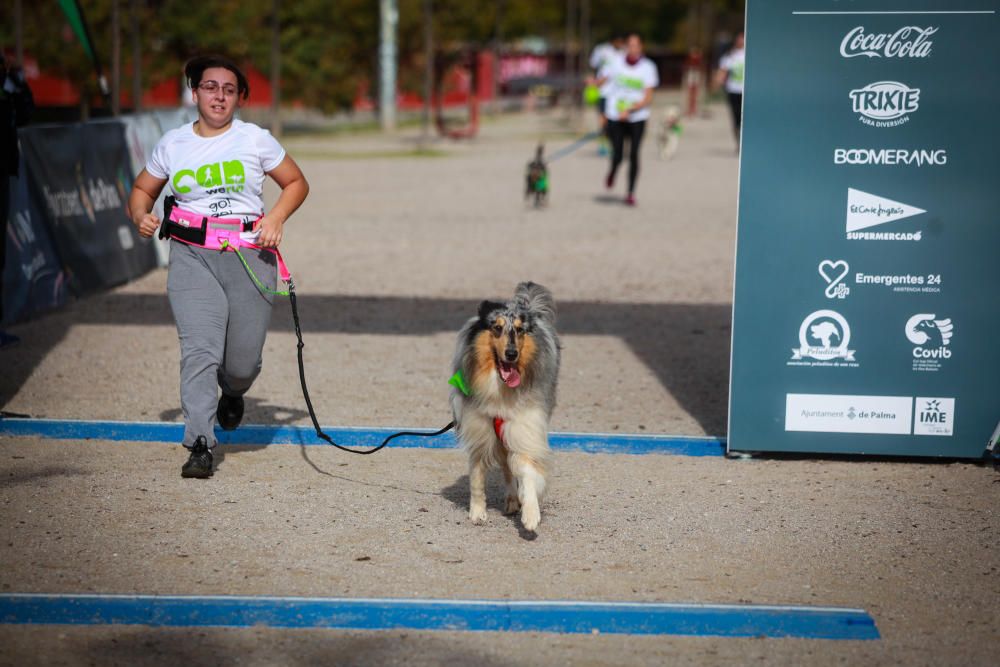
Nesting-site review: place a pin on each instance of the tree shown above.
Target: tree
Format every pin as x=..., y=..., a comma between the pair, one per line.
x=330, y=49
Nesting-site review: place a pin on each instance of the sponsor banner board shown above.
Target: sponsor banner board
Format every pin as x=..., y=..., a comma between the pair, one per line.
x=33, y=279
x=868, y=241
x=81, y=176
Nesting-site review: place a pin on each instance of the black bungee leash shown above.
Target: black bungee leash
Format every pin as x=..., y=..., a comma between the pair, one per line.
x=309, y=405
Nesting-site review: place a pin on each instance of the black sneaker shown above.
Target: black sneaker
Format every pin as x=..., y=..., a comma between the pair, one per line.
x=199, y=464
x=229, y=412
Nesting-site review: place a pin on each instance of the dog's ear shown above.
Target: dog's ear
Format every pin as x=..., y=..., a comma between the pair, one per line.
x=487, y=307
x=537, y=300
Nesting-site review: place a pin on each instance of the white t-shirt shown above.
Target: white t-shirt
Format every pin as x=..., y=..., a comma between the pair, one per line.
x=221, y=176
x=629, y=85
x=732, y=62
x=600, y=59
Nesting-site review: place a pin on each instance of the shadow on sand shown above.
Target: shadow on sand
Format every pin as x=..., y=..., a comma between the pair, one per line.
x=685, y=345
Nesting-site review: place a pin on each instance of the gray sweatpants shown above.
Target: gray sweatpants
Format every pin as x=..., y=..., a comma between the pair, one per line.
x=222, y=320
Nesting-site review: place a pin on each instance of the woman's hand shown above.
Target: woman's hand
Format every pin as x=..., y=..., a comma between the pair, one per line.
x=147, y=225
x=294, y=189
x=270, y=231
x=145, y=190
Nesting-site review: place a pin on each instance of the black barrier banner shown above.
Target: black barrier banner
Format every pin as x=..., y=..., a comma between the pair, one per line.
x=82, y=177
x=33, y=280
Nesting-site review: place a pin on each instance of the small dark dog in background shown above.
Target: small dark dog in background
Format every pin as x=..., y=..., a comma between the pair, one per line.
x=537, y=179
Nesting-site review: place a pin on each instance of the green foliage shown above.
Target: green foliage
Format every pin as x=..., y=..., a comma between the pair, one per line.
x=329, y=50
x=50, y=39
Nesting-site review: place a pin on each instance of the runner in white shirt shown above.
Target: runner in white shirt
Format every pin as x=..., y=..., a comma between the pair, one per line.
x=730, y=74
x=633, y=79
x=215, y=167
x=601, y=59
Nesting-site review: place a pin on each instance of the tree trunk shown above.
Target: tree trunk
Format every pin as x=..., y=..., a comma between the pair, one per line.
x=425, y=135
x=136, y=57
x=116, y=59
x=276, y=128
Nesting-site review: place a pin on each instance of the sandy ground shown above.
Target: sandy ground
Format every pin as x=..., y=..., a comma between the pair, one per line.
x=391, y=254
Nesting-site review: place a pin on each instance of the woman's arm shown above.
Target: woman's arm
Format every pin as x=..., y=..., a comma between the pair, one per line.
x=720, y=77
x=646, y=100
x=294, y=189
x=145, y=190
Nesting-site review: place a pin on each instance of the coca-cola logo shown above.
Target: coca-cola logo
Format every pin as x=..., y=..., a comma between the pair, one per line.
x=908, y=42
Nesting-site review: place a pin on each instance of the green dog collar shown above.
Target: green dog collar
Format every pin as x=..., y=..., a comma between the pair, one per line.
x=458, y=381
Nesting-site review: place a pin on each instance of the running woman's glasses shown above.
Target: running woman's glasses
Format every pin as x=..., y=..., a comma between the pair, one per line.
x=212, y=87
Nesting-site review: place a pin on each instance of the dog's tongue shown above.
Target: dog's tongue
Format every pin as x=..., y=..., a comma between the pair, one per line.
x=510, y=375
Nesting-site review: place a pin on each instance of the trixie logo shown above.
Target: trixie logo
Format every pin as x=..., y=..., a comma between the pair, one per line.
x=885, y=101
x=907, y=42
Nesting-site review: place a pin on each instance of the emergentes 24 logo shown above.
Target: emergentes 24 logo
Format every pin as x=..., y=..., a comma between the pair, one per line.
x=908, y=42
x=885, y=103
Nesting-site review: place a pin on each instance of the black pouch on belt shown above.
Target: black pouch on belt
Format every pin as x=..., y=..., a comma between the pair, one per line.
x=168, y=206
x=194, y=234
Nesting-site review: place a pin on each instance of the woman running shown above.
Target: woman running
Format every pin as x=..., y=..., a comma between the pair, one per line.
x=216, y=167
x=633, y=79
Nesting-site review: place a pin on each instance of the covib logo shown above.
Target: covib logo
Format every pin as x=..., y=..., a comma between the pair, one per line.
x=931, y=338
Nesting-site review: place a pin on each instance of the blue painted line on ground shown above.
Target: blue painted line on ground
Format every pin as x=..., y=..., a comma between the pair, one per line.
x=454, y=615
x=362, y=438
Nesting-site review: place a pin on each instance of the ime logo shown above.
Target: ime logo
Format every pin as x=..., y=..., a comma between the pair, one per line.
x=933, y=414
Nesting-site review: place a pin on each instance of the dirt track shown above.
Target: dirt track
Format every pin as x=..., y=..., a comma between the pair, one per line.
x=391, y=254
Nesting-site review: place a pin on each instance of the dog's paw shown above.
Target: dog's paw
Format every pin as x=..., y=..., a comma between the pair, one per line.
x=513, y=505
x=531, y=517
x=477, y=515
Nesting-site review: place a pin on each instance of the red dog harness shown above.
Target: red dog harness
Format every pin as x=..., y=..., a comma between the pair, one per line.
x=498, y=427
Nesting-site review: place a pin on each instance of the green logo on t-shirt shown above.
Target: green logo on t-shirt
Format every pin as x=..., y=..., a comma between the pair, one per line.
x=736, y=73
x=634, y=83
x=216, y=174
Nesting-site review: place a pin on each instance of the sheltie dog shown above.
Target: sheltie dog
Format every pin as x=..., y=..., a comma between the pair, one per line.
x=507, y=365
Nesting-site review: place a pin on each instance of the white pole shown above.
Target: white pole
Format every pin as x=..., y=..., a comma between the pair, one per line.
x=389, y=15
